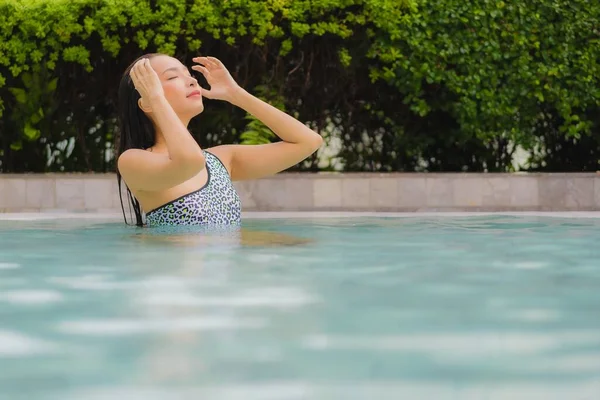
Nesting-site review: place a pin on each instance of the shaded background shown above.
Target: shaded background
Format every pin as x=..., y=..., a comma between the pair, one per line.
x=391, y=85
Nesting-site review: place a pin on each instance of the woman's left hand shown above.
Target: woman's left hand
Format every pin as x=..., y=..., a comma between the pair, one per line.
x=222, y=85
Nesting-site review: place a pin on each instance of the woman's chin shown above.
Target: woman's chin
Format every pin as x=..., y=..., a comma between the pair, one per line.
x=198, y=109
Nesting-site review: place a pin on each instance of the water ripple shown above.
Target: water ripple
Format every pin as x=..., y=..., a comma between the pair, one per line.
x=16, y=344
x=122, y=327
x=31, y=297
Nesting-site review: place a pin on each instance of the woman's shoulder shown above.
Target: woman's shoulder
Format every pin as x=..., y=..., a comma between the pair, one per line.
x=129, y=156
x=134, y=157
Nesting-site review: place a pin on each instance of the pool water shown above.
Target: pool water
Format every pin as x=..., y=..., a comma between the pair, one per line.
x=484, y=307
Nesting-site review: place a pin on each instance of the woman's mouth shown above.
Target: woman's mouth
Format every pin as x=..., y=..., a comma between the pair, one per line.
x=195, y=93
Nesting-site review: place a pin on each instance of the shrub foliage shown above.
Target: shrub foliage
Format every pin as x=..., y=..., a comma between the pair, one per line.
x=400, y=85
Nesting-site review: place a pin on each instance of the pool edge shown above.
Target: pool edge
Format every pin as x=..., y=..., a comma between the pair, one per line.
x=309, y=214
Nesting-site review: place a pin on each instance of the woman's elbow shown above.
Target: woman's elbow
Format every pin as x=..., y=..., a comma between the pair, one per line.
x=316, y=142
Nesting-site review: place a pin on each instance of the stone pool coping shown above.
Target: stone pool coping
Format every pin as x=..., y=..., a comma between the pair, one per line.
x=305, y=215
x=331, y=192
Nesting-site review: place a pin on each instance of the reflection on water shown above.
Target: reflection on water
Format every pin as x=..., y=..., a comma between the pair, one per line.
x=217, y=236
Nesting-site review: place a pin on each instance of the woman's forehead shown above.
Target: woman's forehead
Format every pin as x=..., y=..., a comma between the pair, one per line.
x=160, y=63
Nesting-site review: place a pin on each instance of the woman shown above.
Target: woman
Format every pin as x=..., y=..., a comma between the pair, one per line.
x=168, y=176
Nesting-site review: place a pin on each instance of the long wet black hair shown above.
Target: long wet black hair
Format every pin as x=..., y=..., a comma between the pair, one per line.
x=136, y=131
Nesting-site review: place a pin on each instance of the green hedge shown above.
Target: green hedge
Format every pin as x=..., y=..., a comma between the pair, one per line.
x=403, y=85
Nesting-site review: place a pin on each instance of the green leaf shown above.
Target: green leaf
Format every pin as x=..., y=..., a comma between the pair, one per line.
x=16, y=146
x=51, y=86
x=31, y=133
x=20, y=95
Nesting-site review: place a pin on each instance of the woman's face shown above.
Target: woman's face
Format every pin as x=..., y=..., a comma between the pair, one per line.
x=181, y=88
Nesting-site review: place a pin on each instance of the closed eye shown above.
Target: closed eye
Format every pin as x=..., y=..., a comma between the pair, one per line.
x=170, y=79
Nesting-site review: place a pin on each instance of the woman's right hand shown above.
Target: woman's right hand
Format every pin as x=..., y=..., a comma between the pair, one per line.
x=146, y=80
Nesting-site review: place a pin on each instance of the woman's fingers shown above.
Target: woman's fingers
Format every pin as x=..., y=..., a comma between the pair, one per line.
x=211, y=61
x=205, y=61
x=136, y=69
x=134, y=76
x=200, y=60
x=137, y=66
x=138, y=74
x=203, y=70
x=147, y=66
x=143, y=70
x=216, y=62
x=207, y=93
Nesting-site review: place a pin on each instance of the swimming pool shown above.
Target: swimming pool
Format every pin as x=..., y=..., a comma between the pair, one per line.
x=480, y=307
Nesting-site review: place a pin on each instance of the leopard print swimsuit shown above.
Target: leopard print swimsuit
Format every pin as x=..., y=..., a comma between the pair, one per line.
x=216, y=203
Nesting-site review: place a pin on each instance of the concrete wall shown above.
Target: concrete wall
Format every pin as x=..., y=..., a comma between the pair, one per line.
x=331, y=192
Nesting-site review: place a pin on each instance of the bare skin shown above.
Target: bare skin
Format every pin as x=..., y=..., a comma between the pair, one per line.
x=175, y=165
